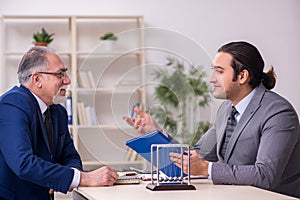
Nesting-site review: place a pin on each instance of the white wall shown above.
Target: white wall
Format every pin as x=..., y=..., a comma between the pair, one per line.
x=272, y=25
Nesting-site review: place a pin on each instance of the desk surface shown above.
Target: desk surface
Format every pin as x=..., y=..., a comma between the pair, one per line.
x=204, y=190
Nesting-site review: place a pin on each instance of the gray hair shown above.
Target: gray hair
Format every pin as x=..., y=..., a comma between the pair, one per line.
x=34, y=60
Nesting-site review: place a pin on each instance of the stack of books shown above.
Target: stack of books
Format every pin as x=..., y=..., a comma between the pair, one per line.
x=86, y=79
x=86, y=114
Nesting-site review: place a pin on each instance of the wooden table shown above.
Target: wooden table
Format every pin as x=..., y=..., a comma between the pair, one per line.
x=204, y=190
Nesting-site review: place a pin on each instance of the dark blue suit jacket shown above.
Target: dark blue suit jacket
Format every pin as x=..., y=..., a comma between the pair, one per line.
x=27, y=169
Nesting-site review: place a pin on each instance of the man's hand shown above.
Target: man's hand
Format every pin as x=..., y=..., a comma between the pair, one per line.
x=198, y=166
x=143, y=124
x=104, y=176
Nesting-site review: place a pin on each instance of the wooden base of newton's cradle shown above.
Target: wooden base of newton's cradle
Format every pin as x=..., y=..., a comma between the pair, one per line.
x=170, y=186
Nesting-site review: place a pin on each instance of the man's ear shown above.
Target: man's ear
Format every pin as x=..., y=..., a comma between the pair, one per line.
x=244, y=76
x=36, y=80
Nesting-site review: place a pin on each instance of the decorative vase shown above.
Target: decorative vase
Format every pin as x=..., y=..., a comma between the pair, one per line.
x=108, y=45
x=41, y=44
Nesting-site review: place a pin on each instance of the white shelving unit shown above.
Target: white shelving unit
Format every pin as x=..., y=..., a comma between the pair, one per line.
x=118, y=75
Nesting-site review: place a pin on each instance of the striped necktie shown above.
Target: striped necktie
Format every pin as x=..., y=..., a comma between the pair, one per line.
x=231, y=124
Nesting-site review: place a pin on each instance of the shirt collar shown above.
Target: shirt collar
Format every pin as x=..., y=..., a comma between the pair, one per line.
x=43, y=106
x=242, y=105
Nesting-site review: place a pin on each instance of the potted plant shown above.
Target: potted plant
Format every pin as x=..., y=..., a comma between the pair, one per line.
x=182, y=91
x=108, y=40
x=42, y=38
x=109, y=36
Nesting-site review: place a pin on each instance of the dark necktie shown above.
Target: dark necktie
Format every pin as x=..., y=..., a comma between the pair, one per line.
x=231, y=124
x=49, y=128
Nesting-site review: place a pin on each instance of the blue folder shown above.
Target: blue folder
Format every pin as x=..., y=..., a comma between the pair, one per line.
x=142, y=145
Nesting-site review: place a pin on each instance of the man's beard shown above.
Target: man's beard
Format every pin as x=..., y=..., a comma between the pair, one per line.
x=59, y=98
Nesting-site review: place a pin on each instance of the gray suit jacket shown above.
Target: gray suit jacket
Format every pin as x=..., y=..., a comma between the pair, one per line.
x=264, y=150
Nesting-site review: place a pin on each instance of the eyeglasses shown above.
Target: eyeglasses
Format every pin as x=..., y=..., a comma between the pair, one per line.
x=60, y=75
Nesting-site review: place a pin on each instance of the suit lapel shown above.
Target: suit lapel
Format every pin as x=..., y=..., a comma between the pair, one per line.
x=39, y=113
x=252, y=107
x=221, y=129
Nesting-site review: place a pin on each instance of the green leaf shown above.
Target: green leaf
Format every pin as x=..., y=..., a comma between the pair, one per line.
x=109, y=36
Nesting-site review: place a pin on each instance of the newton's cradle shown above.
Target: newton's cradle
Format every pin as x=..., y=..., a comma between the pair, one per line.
x=169, y=182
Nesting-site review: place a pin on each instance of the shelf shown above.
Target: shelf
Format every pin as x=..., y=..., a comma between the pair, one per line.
x=22, y=53
x=37, y=17
x=110, y=53
x=120, y=166
x=117, y=89
x=108, y=127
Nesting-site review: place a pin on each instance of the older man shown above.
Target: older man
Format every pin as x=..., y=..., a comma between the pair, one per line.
x=37, y=154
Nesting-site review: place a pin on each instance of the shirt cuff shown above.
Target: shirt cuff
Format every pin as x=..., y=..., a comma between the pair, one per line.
x=209, y=170
x=76, y=179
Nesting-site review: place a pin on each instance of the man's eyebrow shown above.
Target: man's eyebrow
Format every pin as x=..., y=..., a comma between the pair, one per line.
x=216, y=67
x=63, y=69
